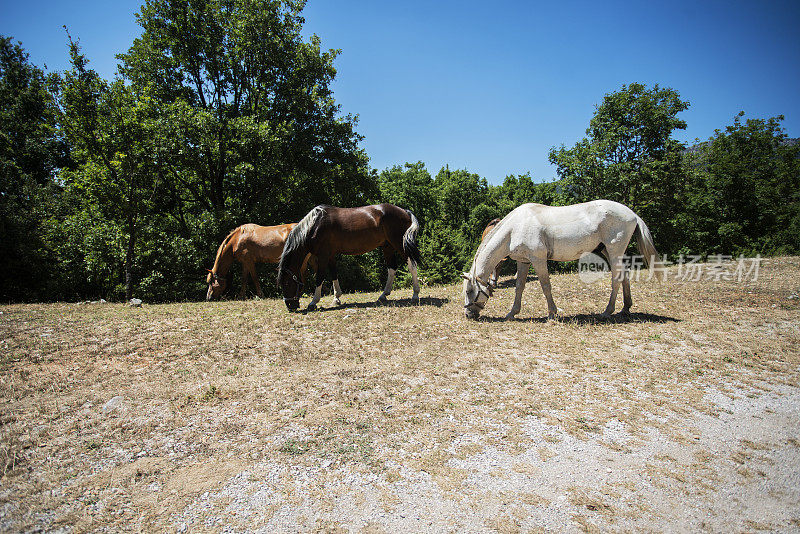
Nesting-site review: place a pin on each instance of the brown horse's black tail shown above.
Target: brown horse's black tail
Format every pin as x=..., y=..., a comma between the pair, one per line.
x=410, y=247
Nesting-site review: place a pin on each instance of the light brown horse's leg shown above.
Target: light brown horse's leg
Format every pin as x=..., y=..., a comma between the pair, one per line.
x=254, y=275
x=245, y=274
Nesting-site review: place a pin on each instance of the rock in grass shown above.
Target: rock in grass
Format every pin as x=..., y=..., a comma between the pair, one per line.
x=113, y=404
x=135, y=303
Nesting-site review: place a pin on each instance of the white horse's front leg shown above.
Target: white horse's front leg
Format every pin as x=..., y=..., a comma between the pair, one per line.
x=522, y=278
x=389, y=285
x=412, y=268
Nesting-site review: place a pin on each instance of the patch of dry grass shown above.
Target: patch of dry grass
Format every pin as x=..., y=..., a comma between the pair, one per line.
x=230, y=383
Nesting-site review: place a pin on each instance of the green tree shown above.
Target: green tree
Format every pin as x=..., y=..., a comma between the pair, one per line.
x=629, y=156
x=411, y=187
x=518, y=190
x=113, y=135
x=743, y=193
x=256, y=132
x=31, y=150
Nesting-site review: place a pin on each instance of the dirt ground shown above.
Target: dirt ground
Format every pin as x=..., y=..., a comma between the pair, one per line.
x=241, y=417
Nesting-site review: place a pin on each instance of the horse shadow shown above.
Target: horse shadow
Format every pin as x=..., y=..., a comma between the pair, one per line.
x=395, y=303
x=592, y=318
x=512, y=282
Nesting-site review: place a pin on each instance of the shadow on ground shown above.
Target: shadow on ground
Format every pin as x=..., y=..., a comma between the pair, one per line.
x=396, y=303
x=512, y=282
x=589, y=318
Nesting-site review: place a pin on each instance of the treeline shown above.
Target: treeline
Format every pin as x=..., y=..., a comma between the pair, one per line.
x=222, y=114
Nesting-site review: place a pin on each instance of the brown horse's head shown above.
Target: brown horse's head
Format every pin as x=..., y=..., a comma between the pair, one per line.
x=216, y=285
x=292, y=287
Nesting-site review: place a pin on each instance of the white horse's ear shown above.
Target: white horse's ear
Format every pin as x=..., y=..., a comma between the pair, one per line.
x=465, y=276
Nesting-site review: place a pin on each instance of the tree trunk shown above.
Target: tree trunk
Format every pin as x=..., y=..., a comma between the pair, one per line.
x=129, y=255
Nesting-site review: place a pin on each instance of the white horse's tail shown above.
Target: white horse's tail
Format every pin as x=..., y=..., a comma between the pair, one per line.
x=644, y=242
x=410, y=247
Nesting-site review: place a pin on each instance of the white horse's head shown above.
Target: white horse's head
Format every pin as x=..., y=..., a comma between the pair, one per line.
x=476, y=293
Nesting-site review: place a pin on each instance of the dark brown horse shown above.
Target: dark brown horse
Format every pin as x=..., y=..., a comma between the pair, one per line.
x=248, y=244
x=327, y=231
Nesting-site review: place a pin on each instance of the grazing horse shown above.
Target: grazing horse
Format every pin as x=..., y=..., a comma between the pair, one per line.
x=489, y=228
x=248, y=244
x=534, y=233
x=327, y=231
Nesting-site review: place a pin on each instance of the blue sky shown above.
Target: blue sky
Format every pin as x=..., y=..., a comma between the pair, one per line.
x=491, y=86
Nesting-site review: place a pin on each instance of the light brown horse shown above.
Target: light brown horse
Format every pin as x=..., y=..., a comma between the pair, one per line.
x=327, y=231
x=248, y=244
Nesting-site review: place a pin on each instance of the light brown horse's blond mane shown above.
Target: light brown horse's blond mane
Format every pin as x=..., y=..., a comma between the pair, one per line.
x=222, y=247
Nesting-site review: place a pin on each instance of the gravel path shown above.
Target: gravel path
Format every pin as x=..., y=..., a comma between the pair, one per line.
x=740, y=470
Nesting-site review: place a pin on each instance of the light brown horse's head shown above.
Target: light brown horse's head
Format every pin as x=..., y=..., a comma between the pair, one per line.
x=216, y=285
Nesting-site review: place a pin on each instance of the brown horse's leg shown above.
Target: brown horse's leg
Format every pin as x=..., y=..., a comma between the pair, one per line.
x=391, y=266
x=322, y=271
x=412, y=268
x=337, y=290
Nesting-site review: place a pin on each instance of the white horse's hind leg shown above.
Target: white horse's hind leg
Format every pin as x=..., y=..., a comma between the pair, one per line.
x=389, y=285
x=337, y=293
x=522, y=278
x=617, y=275
x=540, y=265
x=627, y=301
x=412, y=268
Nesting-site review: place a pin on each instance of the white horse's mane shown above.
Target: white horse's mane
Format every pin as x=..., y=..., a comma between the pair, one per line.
x=483, y=245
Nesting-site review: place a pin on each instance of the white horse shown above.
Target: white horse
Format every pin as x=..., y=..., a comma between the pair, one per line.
x=534, y=233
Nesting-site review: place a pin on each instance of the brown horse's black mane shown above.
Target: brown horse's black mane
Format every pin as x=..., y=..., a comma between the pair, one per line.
x=297, y=240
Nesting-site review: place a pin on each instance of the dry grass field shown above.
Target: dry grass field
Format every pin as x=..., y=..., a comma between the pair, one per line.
x=240, y=417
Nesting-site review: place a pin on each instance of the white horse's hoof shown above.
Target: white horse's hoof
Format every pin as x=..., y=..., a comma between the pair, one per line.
x=337, y=302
